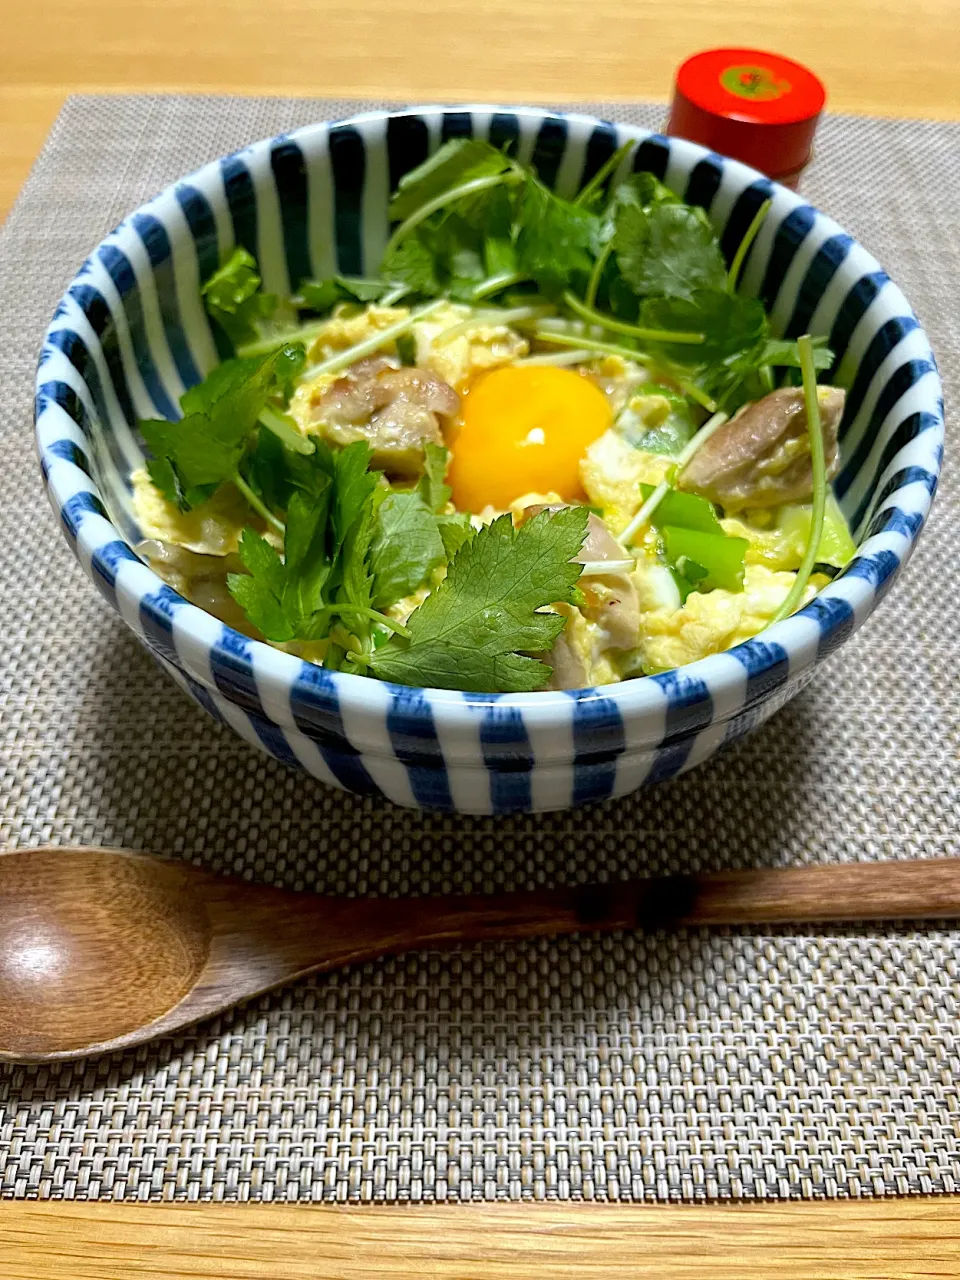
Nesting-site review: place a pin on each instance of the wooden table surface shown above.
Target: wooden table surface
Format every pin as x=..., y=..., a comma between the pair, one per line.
x=881, y=57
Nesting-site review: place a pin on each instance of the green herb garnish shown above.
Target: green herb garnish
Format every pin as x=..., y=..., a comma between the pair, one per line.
x=194, y=456
x=476, y=627
x=819, y=466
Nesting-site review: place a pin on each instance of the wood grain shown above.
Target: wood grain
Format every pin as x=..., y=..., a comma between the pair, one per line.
x=899, y=1240
x=881, y=57
x=101, y=949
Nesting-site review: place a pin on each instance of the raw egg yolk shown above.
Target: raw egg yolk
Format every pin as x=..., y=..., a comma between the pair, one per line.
x=524, y=430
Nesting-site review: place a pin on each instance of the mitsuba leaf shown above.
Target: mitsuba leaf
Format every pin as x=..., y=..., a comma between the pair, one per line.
x=465, y=268
x=455, y=529
x=307, y=564
x=234, y=299
x=556, y=239
x=405, y=549
x=644, y=189
x=411, y=538
x=260, y=591
x=731, y=324
x=669, y=249
x=233, y=377
x=432, y=487
x=356, y=586
x=442, y=255
x=782, y=353
x=233, y=284
x=490, y=214
x=353, y=486
x=203, y=449
x=414, y=263
x=474, y=630
x=322, y=295
x=499, y=255
x=276, y=473
x=458, y=161
x=330, y=502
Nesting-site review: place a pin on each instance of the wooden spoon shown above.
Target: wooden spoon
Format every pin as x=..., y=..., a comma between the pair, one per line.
x=101, y=949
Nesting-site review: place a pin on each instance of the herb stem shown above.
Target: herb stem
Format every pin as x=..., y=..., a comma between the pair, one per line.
x=377, y=340
x=481, y=318
x=577, y=340
x=281, y=426
x=593, y=284
x=743, y=248
x=308, y=332
x=305, y=334
x=361, y=612
x=818, y=461
x=603, y=173
x=471, y=188
x=691, y=390
x=593, y=316
x=642, y=518
x=258, y=505
x=493, y=284
x=393, y=296
x=559, y=358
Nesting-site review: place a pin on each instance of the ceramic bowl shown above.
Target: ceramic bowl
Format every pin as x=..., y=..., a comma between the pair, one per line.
x=130, y=335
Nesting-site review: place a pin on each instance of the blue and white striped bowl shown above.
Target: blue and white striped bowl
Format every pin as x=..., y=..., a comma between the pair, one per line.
x=131, y=334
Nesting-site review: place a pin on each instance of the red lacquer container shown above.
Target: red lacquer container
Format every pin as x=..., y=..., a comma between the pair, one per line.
x=758, y=107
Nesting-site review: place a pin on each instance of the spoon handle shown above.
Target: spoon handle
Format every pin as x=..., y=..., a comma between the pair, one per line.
x=324, y=932
x=915, y=890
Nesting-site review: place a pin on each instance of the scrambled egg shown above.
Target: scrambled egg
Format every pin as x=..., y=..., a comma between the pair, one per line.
x=458, y=358
x=774, y=548
x=778, y=537
x=346, y=327
x=304, y=399
x=713, y=621
x=611, y=473
x=212, y=529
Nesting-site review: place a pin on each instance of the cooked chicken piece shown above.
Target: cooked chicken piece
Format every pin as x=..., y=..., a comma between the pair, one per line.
x=570, y=667
x=396, y=410
x=761, y=457
x=600, y=544
x=609, y=600
x=201, y=578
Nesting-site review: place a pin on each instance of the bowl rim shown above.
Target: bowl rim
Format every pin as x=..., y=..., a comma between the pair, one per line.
x=282, y=678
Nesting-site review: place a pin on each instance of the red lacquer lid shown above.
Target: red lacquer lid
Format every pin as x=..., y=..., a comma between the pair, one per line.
x=757, y=107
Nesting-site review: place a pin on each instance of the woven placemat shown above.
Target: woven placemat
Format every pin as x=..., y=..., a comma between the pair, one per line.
x=662, y=1067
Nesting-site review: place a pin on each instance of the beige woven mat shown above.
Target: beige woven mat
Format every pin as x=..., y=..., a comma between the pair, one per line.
x=687, y=1067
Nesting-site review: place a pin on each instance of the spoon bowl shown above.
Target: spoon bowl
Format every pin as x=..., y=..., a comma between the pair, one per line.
x=68, y=921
